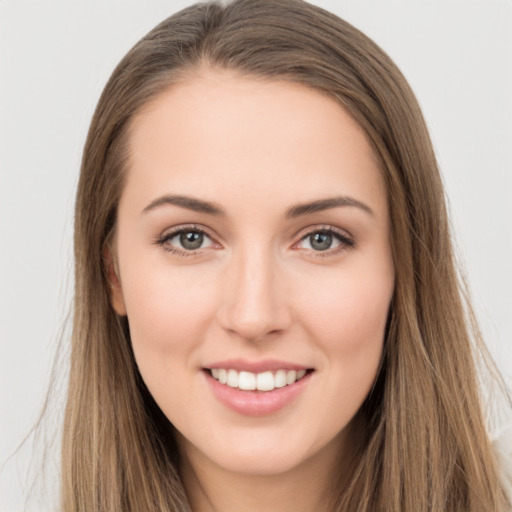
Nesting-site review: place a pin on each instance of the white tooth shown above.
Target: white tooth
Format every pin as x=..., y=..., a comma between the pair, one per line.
x=247, y=381
x=280, y=379
x=215, y=373
x=232, y=378
x=223, y=376
x=291, y=376
x=265, y=381
x=301, y=374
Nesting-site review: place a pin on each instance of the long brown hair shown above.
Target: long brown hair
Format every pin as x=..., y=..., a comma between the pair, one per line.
x=425, y=446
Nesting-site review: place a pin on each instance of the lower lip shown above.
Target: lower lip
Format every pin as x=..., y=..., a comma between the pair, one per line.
x=256, y=403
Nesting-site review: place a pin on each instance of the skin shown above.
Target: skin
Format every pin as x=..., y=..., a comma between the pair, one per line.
x=257, y=288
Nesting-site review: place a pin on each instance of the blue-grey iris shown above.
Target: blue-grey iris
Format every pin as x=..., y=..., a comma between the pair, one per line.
x=191, y=240
x=320, y=241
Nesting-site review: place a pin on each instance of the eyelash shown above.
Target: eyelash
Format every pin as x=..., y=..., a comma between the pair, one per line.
x=345, y=241
x=163, y=240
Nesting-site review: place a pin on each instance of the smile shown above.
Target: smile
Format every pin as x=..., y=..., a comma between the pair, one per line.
x=264, y=381
x=257, y=388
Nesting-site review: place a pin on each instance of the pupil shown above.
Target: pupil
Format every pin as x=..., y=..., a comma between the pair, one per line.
x=191, y=240
x=321, y=241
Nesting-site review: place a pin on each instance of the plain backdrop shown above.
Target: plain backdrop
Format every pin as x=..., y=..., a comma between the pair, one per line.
x=55, y=57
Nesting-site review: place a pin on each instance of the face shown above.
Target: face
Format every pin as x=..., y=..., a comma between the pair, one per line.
x=254, y=265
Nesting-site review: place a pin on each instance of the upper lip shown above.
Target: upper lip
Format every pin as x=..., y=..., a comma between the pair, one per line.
x=264, y=365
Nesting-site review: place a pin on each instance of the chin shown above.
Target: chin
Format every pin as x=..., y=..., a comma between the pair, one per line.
x=267, y=453
x=262, y=464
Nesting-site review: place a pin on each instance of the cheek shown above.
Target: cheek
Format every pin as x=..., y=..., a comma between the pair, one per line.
x=348, y=322
x=348, y=310
x=347, y=317
x=168, y=313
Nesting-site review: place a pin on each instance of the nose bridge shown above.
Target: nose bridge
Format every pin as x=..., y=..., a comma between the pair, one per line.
x=254, y=304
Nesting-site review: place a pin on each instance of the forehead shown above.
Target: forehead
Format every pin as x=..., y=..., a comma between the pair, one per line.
x=259, y=136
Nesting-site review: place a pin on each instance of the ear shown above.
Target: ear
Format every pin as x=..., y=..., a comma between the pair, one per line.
x=116, y=291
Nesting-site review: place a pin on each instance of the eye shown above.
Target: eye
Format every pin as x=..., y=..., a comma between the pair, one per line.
x=325, y=240
x=319, y=241
x=185, y=240
x=189, y=240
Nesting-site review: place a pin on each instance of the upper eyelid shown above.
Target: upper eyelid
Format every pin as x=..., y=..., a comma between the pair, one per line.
x=299, y=236
x=303, y=233
x=168, y=232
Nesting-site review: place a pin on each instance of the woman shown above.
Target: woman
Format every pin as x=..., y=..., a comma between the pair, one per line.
x=267, y=312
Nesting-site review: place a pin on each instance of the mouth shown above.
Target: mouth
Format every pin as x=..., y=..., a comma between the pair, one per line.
x=259, y=382
x=258, y=388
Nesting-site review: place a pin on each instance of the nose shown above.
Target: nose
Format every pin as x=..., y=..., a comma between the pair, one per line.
x=254, y=304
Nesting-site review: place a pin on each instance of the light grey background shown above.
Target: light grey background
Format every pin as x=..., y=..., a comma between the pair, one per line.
x=55, y=57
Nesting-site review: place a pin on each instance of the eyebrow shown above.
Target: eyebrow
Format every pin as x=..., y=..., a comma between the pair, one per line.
x=298, y=210
x=190, y=203
x=326, y=204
